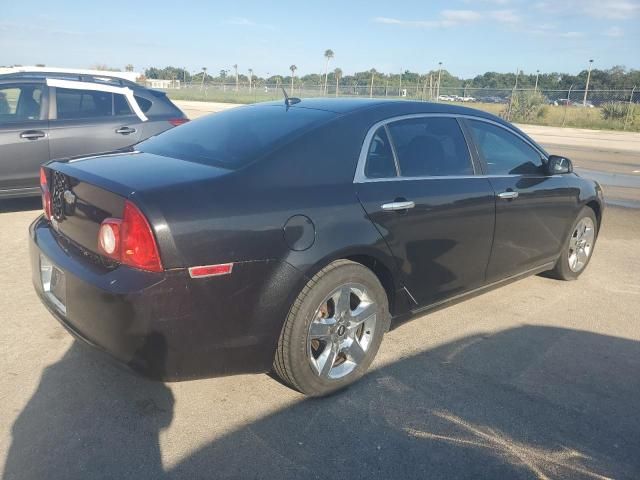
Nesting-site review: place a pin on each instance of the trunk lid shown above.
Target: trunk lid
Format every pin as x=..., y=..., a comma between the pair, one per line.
x=85, y=191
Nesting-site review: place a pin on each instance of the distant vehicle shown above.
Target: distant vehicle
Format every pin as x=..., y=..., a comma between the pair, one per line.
x=584, y=104
x=45, y=116
x=287, y=237
x=446, y=98
x=468, y=99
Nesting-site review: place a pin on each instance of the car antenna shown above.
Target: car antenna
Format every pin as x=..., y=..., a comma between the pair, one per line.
x=288, y=101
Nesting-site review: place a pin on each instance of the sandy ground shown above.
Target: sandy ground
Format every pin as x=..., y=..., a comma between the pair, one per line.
x=538, y=379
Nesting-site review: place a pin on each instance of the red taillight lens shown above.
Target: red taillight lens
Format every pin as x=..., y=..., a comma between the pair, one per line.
x=139, y=247
x=178, y=121
x=130, y=240
x=46, y=194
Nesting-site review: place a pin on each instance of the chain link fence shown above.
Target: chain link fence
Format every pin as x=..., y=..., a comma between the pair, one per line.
x=596, y=109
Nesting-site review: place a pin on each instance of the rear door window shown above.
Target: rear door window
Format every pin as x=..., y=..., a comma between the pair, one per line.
x=380, y=161
x=75, y=103
x=430, y=147
x=19, y=103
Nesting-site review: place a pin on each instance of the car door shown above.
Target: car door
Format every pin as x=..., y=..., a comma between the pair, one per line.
x=533, y=209
x=24, y=143
x=90, y=121
x=416, y=181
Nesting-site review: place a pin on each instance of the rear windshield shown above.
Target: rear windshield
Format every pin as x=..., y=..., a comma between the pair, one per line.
x=235, y=137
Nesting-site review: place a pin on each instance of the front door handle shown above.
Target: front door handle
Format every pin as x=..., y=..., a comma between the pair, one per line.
x=395, y=206
x=510, y=195
x=125, y=130
x=32, y=134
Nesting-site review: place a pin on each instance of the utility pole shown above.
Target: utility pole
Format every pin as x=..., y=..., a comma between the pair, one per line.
x=250, y=78
x=400, y=87
x=535, y=89
x=439, y=75
x=586, y=89
x=373, y=72
x=236, y=69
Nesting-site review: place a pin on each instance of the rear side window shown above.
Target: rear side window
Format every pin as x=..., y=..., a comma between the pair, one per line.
x=380, y=162
x=233, y=138
x=504, y=152
x=72, y=103
x=19, y=103
x=143, y=103
x=430, y=146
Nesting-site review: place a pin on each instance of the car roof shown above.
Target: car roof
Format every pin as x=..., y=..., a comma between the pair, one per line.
x=396, y=106
x=82, y=77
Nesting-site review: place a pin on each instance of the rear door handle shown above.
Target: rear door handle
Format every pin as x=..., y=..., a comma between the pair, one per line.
x=32, y=134
x=125, y=130
x=508, y=195
x=394, y=206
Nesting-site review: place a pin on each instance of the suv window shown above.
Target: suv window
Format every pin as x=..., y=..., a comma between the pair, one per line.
x=74, y=103
x=380, y=162
x=430, y=146
x=20, y=103
x=504, y=152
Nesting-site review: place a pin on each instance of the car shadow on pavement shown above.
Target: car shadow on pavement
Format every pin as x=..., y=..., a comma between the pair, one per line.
x=527, y=402
x=20, y=204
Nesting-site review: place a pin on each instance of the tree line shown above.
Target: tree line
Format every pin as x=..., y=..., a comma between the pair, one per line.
x=617, y=77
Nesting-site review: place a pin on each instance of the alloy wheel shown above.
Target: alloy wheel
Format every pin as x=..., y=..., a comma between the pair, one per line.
x=341, y=331
x=581, y=244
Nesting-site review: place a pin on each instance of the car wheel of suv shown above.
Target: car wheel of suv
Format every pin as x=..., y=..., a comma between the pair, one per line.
x=333, y=330
x=578, y=247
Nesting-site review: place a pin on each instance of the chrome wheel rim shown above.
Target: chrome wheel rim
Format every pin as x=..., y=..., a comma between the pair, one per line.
x=581, y=244
x=341, y=331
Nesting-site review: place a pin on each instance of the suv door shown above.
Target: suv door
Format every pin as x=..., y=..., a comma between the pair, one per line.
x=88, y=121
x=416, y=180
x=533, y=209
x=23, y=136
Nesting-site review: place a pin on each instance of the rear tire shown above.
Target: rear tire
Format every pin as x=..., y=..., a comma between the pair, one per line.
x=578, y=248
x=333, y=330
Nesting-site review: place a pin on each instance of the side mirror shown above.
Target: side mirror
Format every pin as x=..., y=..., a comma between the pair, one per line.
x=557, y=165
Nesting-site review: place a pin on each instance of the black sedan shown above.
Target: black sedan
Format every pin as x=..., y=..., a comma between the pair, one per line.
x=290, y=236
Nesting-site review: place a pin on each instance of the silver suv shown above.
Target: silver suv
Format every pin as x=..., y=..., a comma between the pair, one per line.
x=45, y=116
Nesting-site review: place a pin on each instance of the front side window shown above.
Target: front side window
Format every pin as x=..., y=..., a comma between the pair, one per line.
x=380, y=162
x=504, y=152
x=430, y=146
x=19, y=103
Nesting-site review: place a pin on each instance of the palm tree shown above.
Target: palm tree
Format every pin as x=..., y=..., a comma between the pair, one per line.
x=235, y=67
x=204, y=74
x=338, y=73
x=293, y=69
x=250, y=77
x=373, y=72
x=328, y=54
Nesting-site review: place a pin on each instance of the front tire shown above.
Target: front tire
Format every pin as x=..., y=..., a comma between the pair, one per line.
x=333, y=330
x=578, y=248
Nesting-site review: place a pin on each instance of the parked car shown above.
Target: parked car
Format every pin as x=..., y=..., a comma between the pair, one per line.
x=291, y=236
x=45, y=116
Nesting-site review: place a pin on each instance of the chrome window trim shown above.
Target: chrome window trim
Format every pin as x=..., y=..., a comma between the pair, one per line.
x=360, y=176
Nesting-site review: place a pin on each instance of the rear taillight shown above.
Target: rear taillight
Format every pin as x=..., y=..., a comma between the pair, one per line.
x=178, y=121
x=130, y=240
x=46, y=194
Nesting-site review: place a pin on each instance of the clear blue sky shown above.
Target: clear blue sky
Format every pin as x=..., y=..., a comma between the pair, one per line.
x=468, y=36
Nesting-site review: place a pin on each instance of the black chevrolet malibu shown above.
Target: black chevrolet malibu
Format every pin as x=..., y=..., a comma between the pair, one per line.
x=289, y=237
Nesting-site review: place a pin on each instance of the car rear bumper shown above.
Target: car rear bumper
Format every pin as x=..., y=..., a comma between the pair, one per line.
x=166, y=325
